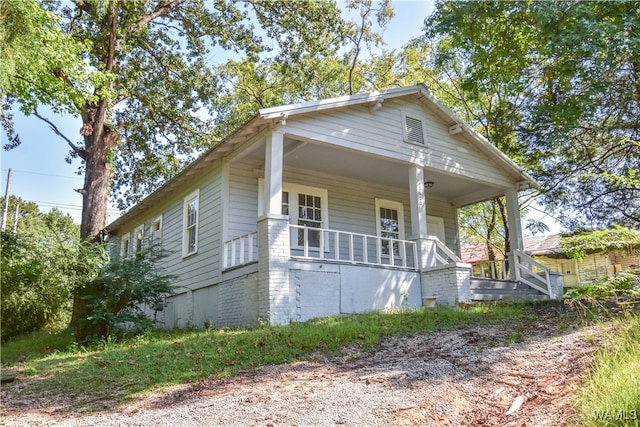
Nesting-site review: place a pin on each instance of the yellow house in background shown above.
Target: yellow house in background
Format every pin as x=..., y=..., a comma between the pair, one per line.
x=548, y=251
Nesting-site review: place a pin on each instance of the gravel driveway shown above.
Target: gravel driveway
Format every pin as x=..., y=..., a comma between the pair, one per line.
x=468, y=377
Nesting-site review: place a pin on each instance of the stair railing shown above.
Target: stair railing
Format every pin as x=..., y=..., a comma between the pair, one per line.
x=531, y=272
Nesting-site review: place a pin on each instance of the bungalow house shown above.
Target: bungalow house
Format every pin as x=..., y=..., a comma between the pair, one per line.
x=343, y=205
x=595, y=266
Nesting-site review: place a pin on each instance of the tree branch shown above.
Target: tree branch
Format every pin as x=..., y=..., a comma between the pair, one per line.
x=160, y=11
x=79, y=151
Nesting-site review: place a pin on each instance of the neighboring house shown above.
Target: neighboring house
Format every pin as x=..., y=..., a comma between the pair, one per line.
x=343, y=205
x=547, y=250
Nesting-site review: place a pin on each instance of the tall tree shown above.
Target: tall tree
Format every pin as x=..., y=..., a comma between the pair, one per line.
x=568, y=105
x=137, y=74
x=252, y=83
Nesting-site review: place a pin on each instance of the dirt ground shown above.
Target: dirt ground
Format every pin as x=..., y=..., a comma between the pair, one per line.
x=511, y=374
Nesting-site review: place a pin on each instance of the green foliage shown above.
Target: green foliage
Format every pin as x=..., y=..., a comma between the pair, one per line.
x=553, y=84
x=610, y=396
x=623, y=284
x=610, y=239
x=40, y=266
x=123, y=287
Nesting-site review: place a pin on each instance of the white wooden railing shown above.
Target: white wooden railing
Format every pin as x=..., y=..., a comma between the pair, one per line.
x=439, y=254
x=525, y=269
x=240, y=250
x=354, y=248
x=494, y=269
x=531, y=272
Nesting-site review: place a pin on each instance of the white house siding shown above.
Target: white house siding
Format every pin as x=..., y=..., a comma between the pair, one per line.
x=202, y=268
x=381, y=133
x=351, y=202
x=242, y=208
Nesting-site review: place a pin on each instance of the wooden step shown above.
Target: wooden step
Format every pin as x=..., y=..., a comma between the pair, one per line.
x=499, y=297
x=494, y=290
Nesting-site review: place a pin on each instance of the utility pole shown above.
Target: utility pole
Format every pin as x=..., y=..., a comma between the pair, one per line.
x=15, y=218
x=6, y=202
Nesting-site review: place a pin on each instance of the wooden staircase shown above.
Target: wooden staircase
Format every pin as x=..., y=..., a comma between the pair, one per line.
x=496, y=289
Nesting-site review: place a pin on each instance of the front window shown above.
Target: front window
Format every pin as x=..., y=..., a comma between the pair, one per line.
x=138, y=239
x=124, y=252
x=190, y=221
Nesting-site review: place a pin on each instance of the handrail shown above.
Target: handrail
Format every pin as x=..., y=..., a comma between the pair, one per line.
x=525, y=273
x=240, y=250
x=354, y=248
x=525, y=269
x=440, y=254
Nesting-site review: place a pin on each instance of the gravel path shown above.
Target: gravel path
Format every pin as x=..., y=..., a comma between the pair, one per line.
x=464, y=377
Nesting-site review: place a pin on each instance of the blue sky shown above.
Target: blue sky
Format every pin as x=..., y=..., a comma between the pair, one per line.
x=41, y=175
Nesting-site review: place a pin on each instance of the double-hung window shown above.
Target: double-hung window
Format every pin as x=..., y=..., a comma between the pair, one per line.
x=138, y=239
x=390, y=225
x=190, y=224
x=156, y=231
x=124, y=251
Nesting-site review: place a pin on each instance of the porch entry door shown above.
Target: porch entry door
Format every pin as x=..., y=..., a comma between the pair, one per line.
x=435, y=227
x=390, y=225
x=569, y=273
x=304, y=210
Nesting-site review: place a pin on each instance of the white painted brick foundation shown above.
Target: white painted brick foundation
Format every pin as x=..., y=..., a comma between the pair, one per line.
x=275, y=300
x=450, y=284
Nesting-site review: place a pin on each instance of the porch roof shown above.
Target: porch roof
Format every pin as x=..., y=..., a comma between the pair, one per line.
x=261, y=122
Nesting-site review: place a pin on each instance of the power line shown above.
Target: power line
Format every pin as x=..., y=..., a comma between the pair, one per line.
x=46, y=174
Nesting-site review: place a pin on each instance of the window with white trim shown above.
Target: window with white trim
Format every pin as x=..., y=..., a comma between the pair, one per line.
x=156, y=231
x=389, y=224
x=124, y=250
x=138, y=236
x=413, y=129
x=190, y=224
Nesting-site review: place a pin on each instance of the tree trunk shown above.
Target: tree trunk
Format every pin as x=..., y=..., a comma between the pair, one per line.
x=99, y=141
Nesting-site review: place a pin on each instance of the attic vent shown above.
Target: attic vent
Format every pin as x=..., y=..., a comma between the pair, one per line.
x=414, y=131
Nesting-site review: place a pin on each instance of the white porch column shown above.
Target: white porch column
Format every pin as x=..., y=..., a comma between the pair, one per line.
x=417, y=197
x=275, y=299
x=513, y=219
x=273, y=165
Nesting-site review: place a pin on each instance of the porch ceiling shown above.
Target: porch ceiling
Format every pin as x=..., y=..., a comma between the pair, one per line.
x=331, y=160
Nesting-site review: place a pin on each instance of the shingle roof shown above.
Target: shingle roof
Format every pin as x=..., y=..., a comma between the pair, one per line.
x=534, y=245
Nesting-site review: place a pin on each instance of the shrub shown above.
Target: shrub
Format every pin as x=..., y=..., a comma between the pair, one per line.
x=121, y=290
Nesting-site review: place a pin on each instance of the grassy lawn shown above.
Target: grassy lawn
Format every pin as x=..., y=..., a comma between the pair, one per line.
x=154, y=360
x=611, y=394
x=121, y=370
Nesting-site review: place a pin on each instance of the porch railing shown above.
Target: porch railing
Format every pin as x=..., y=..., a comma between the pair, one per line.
x=240, y=250
x=354, y=248
x=440, y=255
x=525, y=269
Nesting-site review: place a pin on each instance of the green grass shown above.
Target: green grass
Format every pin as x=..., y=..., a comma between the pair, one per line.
x=611, y=395
x=120, y=370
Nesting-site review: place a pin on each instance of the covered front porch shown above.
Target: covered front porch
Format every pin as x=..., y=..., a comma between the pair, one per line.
x=350, y=231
